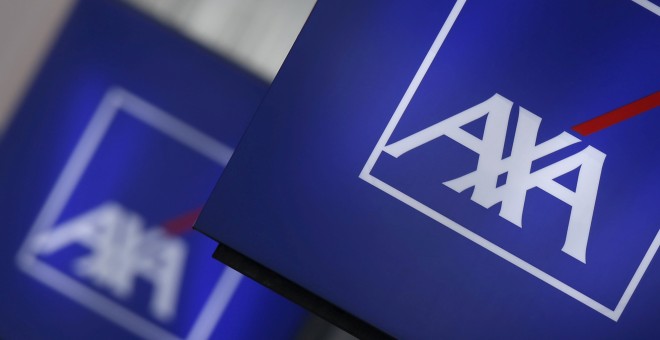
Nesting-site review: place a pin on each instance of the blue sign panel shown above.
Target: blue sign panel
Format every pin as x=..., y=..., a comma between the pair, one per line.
x=113, y=152
x=461, y=168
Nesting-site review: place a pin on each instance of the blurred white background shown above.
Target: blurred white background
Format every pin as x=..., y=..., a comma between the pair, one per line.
x=256, y=34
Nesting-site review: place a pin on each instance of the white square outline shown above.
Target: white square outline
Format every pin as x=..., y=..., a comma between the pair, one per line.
x=365, y=175
x=114, y=101
x=648, y=5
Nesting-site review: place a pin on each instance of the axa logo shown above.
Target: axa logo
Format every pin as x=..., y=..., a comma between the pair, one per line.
x=518, y=166
x=132, y=263
x=515, y=174
x=122, y=249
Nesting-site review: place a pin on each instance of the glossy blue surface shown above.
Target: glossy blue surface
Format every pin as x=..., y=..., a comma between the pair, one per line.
x=292, y=199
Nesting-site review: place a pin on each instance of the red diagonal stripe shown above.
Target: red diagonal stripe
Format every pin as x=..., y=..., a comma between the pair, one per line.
x=183, y=223
x=618, y=115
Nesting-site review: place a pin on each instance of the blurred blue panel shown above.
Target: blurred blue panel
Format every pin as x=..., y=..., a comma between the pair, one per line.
x=112, y=153
x=321, y=191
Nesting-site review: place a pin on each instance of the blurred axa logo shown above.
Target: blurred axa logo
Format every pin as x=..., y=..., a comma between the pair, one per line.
x=122, y=249
x=114, y=233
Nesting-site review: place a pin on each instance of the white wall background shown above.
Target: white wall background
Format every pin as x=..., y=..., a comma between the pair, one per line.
x=26, y=29
x=256, y=34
